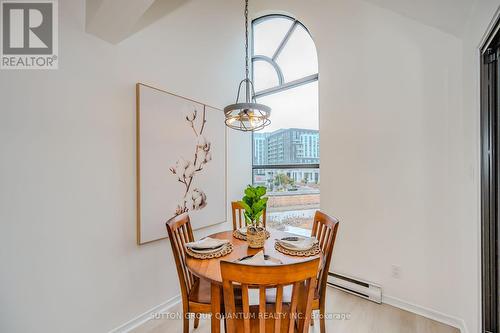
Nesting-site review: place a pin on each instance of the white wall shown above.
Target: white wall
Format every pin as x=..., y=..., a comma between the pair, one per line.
x=390, y=92
x=476, y=28
x=69, y=261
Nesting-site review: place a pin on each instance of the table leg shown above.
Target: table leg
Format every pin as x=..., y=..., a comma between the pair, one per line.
x=216, y=307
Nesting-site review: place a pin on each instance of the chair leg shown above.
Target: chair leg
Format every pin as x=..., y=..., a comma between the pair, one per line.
x=185, y=322
x=322, y=324
x=196, y=320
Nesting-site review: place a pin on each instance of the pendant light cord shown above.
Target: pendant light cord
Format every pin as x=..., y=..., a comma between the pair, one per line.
x=246, y=54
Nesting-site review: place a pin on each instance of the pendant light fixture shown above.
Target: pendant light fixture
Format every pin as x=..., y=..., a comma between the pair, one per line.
x=248, y=115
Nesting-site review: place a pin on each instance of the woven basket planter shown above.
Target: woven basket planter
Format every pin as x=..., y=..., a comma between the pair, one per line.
x=256, y=237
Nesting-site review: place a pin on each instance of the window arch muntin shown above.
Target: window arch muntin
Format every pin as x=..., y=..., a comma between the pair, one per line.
x=282, y=85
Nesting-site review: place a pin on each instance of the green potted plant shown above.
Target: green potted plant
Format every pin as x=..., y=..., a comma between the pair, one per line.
x=254, y=204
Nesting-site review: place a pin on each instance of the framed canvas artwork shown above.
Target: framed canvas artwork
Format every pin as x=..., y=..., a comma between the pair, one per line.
x=181, y=162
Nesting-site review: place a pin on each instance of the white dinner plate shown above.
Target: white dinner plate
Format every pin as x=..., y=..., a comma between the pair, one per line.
x=207, y=251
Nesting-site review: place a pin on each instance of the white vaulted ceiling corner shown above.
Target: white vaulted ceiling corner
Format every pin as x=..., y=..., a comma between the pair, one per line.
x=116, y=20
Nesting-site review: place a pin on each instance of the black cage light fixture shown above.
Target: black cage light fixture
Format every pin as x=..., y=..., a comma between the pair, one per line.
x=248, y=115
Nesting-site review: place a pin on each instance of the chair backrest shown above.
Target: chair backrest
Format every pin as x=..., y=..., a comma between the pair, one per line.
x=302, y=277
x=180, y=232
x=239, y=217
x=325, y=230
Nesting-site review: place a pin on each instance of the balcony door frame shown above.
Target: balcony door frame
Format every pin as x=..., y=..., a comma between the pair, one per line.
x=490, y=179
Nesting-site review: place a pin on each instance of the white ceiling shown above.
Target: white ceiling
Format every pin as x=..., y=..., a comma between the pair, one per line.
x=130, y=16
x=447, y=15
x=115, y=20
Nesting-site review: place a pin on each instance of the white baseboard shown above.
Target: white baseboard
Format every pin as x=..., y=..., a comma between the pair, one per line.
x=148, y=315
x=426, y=312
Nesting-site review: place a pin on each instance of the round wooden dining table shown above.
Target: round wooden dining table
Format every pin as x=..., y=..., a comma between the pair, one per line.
x=210, y=268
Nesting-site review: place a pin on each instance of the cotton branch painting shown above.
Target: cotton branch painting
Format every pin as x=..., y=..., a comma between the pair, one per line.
x=185, y=171
x=181, y=162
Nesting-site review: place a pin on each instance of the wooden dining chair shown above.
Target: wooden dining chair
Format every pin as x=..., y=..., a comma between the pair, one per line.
x=278, y=316
x=195, y=292
x=239, y=216
x=325, y=230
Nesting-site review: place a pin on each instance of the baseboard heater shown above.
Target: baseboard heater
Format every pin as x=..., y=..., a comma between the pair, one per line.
x=367, y=290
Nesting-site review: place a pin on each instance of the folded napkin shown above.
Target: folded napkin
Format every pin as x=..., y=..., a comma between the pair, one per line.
x=257, y=259
x=243, y=230
x=298, y=243
x=207, y=243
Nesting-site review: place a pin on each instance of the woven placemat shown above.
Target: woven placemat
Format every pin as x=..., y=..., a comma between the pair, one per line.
x=239, y=235
x=306, y=253
x=225, y=250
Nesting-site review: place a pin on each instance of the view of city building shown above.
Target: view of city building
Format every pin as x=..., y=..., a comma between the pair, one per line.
x=287, y=147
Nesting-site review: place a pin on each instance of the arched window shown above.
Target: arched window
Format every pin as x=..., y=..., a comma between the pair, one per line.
x=286, y=153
